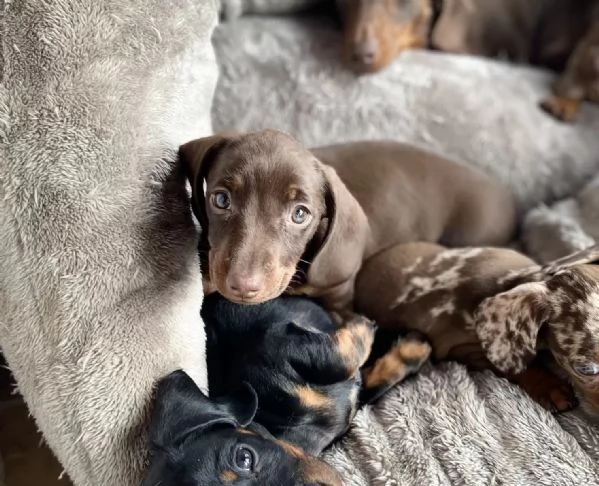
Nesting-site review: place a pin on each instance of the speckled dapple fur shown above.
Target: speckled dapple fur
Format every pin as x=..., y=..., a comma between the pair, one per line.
x=494, y=308
x=560, y=312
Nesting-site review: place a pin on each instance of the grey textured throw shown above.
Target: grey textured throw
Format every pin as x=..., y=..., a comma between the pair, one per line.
x=100, y=286
x=449, y=427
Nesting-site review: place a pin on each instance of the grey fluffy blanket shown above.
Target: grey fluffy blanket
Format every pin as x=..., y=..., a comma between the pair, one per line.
x=100, y=287
x=449, y=427
x=445, y=426
x=569, y=225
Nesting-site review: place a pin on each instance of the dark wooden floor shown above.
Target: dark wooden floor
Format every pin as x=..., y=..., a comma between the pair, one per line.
x=27, y=462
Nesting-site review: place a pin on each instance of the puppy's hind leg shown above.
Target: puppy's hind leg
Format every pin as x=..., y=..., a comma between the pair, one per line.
x=405, y=358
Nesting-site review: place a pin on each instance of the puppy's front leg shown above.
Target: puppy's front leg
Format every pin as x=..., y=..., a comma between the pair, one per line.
x=405, y=358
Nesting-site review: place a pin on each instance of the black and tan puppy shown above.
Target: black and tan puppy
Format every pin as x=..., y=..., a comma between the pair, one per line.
x=306, y=371
x=199, y=441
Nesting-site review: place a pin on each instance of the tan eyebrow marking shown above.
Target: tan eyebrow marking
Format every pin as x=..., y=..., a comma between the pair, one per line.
x=293, y=192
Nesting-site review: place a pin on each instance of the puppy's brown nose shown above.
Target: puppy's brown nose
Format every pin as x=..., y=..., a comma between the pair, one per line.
x=365, y=52
x=245, y=285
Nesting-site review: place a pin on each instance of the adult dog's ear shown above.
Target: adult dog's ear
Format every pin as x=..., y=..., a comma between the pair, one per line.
x=197, y=157
x=341, y=252
x=181, y=409
x=589, y=255
x=508, y=325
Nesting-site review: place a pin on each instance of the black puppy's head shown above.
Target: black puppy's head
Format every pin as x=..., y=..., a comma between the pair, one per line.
x=197, y=441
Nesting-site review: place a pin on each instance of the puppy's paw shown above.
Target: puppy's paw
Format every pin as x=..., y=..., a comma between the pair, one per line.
x=550, y=391
x=556, y=399
x=354, y=341
x=563, y=109
x=405, y=358
x=414, y=350
x=357, y=320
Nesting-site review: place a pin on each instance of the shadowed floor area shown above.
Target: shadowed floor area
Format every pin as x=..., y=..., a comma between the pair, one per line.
x=27, y=462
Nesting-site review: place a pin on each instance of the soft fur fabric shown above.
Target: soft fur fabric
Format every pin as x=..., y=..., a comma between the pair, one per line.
x=449, y=427
x=565, y=227
x=100, y=286
x=287, y=74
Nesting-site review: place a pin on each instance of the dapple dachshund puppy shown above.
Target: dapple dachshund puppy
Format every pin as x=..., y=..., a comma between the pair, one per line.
x=278, y=217
x=557, y=34
x=201, y=441
x=495, y=308
x=304, y=369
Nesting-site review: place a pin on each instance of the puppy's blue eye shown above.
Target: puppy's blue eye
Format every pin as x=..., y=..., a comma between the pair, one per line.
x=588, y=369
x=221, y=200
x=244, y=459
x=300, y=214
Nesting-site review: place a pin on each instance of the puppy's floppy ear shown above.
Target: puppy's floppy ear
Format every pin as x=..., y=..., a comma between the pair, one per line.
x=589, y=255
x=508, y=325
x=181, y=409
x=197, y=157
x=342, y=250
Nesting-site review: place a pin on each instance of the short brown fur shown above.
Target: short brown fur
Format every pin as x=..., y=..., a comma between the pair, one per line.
x=557, y=34
x=355, y=210
x=354, y=342
x=377, y=31
x=397, y=364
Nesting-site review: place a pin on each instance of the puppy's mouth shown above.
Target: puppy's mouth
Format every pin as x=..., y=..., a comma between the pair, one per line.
x=275, y=285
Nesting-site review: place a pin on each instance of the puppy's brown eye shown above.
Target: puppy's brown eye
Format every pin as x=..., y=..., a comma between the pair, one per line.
x=300, y=214
x=221, y=200
x=244, y=458
x=588, y=369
